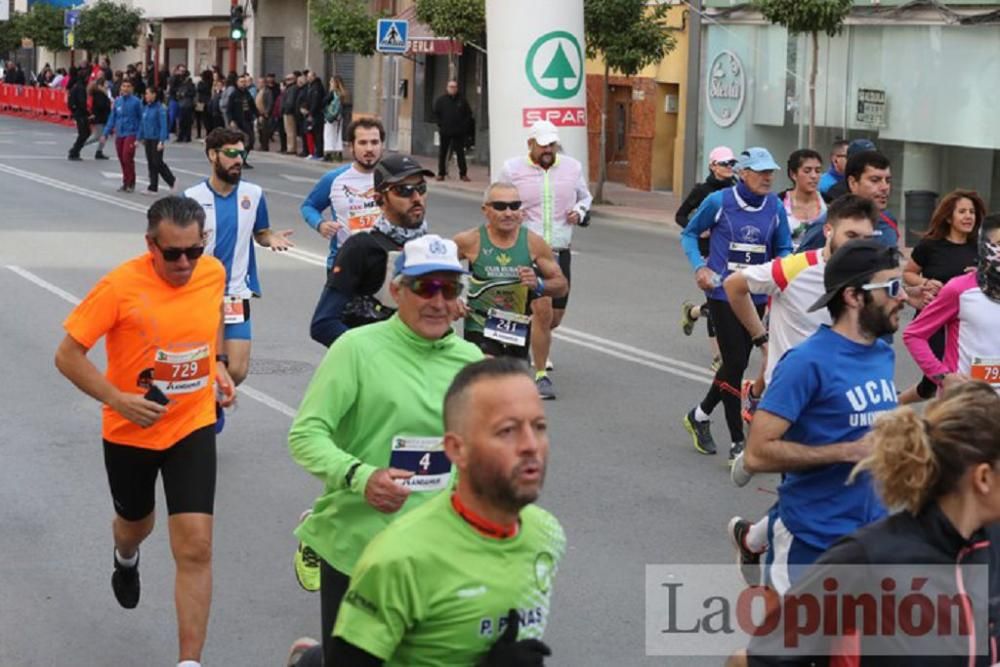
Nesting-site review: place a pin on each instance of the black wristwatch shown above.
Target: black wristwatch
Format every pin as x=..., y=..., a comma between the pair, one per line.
x=223, y=359
x=760, y=341
x=349, y=477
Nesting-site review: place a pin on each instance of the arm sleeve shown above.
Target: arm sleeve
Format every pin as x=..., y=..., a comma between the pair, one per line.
x=330, y=394
x=382, y=603
x=94, y=316
x=919, y=254
x=583, y=197
x=703, y=219
x=689, y=204
x=782, y=235
x=939, y=313
x=263, y=221
x=317, y=201
x=792, y=387
x=327, y=325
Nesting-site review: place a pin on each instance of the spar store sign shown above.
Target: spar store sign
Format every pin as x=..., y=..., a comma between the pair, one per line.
x=558, y=116
x=726, y=88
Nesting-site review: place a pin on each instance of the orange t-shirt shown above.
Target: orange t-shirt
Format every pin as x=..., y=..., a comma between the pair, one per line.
x=159, y=334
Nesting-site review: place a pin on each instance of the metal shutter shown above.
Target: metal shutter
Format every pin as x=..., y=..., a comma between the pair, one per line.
x=272, y=56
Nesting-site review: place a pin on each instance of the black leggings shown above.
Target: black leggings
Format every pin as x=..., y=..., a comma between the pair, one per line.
x=332, y=589
x=735, y=347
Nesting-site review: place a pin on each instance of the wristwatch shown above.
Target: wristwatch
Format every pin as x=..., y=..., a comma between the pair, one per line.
x=760, y=341
x=223, y=359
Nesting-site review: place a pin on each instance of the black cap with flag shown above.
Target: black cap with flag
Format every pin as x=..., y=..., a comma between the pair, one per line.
x=853, y=264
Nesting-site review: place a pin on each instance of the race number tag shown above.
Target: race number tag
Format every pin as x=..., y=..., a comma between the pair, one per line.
x=507, y=328
x=742, y=255
x=424, y=457
x=987, y=370
x=361, y=223
x=181, y=372
x=235, y=310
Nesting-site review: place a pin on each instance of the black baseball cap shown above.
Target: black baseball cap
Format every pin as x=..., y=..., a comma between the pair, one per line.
x=854, y=263
x=394, y=168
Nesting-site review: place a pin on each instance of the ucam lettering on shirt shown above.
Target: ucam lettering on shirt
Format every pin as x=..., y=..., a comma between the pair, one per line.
x=871, y=394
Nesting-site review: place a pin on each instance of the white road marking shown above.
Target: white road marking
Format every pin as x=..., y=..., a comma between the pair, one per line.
x=246, y=390
x=300, y=179
x=117, y=175
x=604, y=345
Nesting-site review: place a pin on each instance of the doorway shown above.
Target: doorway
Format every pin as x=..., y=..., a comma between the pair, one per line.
x=617, y=128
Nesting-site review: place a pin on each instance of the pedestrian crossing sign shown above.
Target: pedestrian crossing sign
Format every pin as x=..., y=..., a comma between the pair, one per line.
x=391, y=36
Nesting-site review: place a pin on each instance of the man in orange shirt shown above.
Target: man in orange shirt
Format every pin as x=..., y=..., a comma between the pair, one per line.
x=161, y=317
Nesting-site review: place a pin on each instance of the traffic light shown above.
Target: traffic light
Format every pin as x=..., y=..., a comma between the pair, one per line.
x=236, y=30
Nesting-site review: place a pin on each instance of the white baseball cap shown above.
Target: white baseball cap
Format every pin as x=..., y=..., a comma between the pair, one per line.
x=543, y=132
x=428, y=254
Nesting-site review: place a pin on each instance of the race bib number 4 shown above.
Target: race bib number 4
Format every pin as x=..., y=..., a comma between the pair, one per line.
x=425, y=458
x=181, y=372
x=987, y=370
x=742, y=255
x=507, y=328
x=235, y=310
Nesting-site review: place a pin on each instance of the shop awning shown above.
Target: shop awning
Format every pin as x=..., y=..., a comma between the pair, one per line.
x=421, y=40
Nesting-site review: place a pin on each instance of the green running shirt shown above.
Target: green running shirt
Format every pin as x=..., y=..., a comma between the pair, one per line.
x=379, y=388
x=495, y=282
x=431, y=590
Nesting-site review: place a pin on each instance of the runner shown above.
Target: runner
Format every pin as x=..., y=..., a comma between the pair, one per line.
x=941, y=470
x=556, y=198
x=748, y=226
x=803, y=203
x=838, y=161
x=968, y=309
x=947, y=251
x=369, y=426
x=349, y=190
x=357, y=288
x=793, y=284
x=235, y=217
x=840, y=188
x=467, y=578
x=721, y=161
x=823, y=398
x=160, y=315
x=502, y=256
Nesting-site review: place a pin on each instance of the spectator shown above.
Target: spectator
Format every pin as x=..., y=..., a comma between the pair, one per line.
x=203, y=95
x=242, y=112
x=100, y=109
x=289, y=107
x=77, y=103
x=153, y=135
x=227, y=92
x=125, y=119
x=214, y=115
x=264, y=100
x=332, y=118
x=184, y=94
x=453, y=116
x=312, y=112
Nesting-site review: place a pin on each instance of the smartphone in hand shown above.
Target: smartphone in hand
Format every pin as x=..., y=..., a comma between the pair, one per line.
x=156, y=396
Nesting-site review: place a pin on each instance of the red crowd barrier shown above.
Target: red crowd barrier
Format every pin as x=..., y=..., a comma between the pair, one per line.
x=47, y=104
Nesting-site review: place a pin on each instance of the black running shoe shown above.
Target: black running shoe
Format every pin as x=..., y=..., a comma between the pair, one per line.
x=701, y=433
x=748, y=561
x=125, y=583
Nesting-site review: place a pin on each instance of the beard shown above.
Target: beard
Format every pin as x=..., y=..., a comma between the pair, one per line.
x=227, y=176
x=875, y=321
x=501, y=490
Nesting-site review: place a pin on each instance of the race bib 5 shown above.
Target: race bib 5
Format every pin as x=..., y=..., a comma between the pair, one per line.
x=742, y=255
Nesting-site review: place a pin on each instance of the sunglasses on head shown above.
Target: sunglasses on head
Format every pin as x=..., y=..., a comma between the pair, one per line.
x=174, y=254
x=233, y=153
x=892, y=287
x=504, y=205
x=406, y=191
x=427, y=288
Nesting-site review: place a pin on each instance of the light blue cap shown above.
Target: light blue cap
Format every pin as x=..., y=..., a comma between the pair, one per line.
x=756, y=159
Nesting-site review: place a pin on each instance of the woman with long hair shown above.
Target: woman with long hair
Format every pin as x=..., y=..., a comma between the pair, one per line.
x=948, y=250
x=942, y=472
x=333, y=116
x=803, y=202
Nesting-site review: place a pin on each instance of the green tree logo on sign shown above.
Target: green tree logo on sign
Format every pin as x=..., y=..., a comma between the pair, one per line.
x=555, y=65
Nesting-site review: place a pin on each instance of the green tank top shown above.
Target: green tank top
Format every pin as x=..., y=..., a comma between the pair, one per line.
x=495, y=282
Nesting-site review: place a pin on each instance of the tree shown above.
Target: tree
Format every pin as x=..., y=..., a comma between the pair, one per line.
x=345, y=26
x=629, y=36
x=460, y=20
x=813, y=17
x=43, y=24
x=107, y=27
x=10, y=34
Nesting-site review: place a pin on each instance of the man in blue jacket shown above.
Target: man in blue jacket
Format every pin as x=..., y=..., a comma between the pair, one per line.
x=153, y=133
x=126, y=117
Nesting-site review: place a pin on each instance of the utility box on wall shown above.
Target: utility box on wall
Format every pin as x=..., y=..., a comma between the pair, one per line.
x=671, y=103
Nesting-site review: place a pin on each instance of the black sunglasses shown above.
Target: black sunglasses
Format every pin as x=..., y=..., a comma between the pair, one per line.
x=174, y=254
x=504, y=205
x=406, y=191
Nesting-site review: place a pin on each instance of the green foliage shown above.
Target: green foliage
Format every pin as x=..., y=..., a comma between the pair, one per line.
x=628, y=34
x=10, y=34
x=44, y=25
x=464, y=20
x=344, y=26
x=806, y=16
x=108, y=27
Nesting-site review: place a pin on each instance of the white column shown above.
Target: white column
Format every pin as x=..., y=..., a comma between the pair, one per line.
x=535, y=71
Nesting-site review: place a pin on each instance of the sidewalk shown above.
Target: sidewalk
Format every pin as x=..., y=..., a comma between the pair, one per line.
x=655, y=208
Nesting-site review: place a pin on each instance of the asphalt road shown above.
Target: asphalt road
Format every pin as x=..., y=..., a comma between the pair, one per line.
x=623, y=478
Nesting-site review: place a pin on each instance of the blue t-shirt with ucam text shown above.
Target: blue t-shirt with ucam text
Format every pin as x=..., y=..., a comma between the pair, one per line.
x=831, y=389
